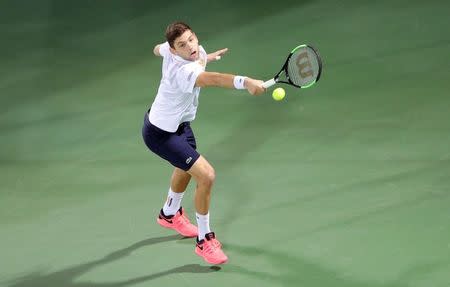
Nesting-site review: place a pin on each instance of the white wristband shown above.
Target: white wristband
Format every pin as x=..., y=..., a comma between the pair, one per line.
x=238, y=82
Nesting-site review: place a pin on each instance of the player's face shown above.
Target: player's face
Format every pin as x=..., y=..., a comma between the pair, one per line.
x=186, y=46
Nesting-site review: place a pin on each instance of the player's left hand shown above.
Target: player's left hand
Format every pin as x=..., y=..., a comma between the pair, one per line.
x=216, y=55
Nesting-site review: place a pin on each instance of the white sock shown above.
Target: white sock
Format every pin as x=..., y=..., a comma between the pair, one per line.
x=203, y=225
x=173, y=202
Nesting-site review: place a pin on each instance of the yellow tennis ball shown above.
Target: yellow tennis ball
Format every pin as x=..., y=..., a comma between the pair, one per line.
x=278, y=94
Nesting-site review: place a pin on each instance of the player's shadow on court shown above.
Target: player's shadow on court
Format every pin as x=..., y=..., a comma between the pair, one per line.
x=290, y=270
x=66, y=277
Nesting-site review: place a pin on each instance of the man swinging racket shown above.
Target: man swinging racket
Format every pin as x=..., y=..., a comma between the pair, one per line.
x=167, y=132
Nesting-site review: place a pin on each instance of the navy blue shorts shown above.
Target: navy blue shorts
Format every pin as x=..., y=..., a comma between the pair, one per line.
x=178, y=148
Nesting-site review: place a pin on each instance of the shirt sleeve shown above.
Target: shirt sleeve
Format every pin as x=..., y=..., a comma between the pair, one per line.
x=187, y=76
x=164, y=49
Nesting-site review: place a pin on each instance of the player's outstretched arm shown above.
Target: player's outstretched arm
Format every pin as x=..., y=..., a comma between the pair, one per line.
x=213, y=79
x=216, y=55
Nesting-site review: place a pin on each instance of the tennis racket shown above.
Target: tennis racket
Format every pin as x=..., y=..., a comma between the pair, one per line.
x=301, y=69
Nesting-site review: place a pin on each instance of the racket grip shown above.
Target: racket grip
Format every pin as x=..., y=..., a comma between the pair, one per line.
x=269, y=83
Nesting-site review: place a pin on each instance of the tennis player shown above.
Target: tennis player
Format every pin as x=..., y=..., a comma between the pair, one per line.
x=167, y=131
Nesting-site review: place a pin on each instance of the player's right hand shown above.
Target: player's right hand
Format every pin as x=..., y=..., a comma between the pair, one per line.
x=254, y=87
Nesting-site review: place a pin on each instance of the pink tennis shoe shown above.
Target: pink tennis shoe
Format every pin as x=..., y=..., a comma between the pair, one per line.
x=178, y=222
x=211, y=249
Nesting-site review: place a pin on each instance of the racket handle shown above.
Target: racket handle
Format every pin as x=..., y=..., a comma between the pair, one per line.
x=269, y=83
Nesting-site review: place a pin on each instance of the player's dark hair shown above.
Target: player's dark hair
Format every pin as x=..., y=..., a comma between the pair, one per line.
x=175, y=30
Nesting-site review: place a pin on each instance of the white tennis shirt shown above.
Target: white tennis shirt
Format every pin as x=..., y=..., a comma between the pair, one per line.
x=177, y=98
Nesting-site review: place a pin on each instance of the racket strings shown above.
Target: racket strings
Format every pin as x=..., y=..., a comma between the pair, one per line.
x=303, y=67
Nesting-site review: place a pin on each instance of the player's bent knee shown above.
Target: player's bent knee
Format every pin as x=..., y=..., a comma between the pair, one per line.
x=203, y=172
x=208, y=177
x=211, y=176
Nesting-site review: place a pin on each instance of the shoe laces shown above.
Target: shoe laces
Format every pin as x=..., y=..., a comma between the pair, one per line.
x=182, y=219
x=216, y=243
x=211, y=246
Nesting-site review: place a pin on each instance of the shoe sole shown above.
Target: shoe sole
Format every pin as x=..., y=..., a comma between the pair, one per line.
x=210, y=262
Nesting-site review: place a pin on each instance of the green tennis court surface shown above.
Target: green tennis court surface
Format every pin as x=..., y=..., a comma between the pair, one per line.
x=343, y=184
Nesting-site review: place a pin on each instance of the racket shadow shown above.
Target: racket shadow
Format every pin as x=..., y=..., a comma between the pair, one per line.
x=68, y=277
